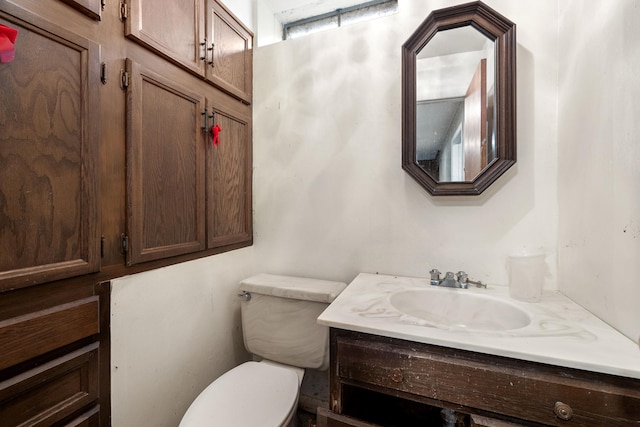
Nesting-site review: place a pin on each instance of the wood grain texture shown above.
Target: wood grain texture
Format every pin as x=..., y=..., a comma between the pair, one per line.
x=33, y=334
x=173, y=30
x=228, y=172
x=48, y=149
x=231, y=68
x=510, y=389
x=165, y=167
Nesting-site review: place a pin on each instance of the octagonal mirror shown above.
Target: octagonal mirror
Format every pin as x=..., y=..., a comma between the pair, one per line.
x=459, y=100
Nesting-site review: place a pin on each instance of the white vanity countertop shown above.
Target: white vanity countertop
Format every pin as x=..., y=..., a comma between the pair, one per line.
x=561, y=332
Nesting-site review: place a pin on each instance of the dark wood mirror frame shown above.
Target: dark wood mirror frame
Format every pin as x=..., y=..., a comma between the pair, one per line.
x=503, y=32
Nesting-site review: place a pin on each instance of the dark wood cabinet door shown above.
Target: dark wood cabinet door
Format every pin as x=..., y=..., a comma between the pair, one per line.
x=230, y=62
x=172, y=29
x=49, y=119
x=165, y=167
x=229, y=174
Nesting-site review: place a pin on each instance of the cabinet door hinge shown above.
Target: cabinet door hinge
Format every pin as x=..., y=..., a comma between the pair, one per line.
x=102, y=247
x=124, y=79
x=124, y=11
x=124, y=242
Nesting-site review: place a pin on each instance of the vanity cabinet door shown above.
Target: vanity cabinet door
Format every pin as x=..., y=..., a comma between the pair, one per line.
x=49, y=121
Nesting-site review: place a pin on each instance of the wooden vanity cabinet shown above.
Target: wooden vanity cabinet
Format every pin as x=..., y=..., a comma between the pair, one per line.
x=377, y=381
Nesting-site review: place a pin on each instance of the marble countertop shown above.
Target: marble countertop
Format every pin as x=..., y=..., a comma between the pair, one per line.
x=561, y=332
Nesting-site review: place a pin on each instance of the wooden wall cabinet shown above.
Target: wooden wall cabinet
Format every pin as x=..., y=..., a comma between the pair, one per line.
x=178, y=196
x=185, y=194
x=378, y=381
x=201, y=36
x=107, y=168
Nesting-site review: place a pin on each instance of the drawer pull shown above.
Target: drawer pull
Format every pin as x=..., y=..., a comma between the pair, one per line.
x=563, y=411
x=396, y=375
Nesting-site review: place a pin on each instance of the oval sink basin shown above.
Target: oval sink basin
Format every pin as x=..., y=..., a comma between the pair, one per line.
x=456, y=309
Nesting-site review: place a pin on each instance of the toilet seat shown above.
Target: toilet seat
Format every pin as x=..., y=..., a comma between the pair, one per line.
x=251, y=395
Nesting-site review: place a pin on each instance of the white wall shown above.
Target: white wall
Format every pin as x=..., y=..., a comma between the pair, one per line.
x=173, y=331
x=599, y=159
x=331, y=199
x=268, y=27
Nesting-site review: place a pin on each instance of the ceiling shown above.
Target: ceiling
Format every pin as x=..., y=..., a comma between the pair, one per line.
x=292, y=10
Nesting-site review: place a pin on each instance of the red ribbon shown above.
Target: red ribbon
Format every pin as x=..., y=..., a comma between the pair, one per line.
x=215, y=131
x=7, y=39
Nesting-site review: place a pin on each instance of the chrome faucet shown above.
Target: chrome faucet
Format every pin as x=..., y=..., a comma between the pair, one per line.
x=451, y=280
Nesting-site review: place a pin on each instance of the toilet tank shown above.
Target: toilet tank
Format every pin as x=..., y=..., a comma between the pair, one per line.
x=279, y=321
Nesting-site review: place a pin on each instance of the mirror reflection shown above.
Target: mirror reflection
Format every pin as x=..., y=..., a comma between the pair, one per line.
x=455, y=117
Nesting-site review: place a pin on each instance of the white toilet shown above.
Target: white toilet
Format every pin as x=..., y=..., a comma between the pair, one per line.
x=279, y=326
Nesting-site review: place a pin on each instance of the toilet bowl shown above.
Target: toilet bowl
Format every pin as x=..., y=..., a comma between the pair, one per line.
x=279, y=325
x=254, y=394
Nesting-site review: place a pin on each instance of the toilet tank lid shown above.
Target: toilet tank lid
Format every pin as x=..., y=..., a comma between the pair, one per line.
x=293, y=287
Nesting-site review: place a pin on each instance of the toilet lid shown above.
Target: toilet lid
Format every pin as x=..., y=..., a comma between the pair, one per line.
x=251, y=395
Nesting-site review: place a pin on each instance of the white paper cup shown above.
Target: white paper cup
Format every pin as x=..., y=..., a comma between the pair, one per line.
x=526, y=276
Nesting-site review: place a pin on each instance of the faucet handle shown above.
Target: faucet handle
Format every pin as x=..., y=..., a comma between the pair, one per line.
x=435, y=276
x=462, y=279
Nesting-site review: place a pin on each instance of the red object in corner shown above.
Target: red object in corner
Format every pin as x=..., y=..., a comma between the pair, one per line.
x=215, y=130
x=7, y=39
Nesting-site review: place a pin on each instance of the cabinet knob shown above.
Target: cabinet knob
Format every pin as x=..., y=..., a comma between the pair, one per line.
x=563, y=411
x=396, y=375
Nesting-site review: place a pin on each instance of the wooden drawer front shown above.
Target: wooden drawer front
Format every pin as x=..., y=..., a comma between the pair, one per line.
x=53, y=391
x=90, y=418
x=514, y=388
x=31, y=335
